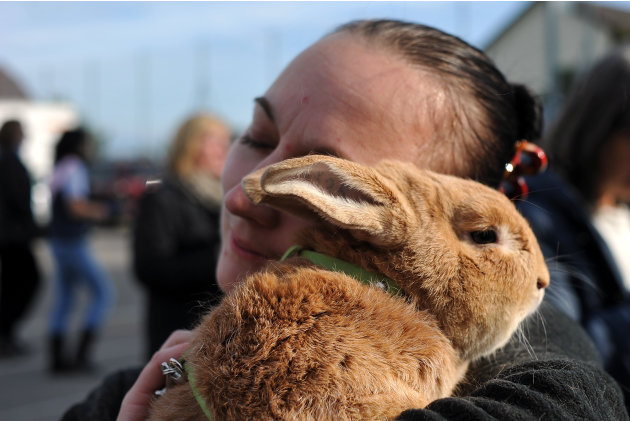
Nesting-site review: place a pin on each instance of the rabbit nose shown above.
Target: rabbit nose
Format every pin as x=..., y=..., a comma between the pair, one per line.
x=542, y=283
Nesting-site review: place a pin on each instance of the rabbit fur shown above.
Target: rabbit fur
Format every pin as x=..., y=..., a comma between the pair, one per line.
x=295, y=341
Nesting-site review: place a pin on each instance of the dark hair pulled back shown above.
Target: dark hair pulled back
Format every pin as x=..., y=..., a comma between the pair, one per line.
x=490, y=113
x=71, y=143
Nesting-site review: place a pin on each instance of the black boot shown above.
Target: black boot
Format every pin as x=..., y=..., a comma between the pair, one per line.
x=58, y=361
x=83, y=361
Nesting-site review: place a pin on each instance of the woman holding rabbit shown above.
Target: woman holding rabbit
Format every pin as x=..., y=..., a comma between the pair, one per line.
x=387, y=89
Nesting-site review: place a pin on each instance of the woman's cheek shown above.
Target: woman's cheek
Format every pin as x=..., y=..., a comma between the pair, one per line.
x=237, y=165
x=226, y=270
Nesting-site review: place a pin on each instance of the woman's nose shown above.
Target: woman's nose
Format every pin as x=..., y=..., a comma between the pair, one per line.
x=237, y=203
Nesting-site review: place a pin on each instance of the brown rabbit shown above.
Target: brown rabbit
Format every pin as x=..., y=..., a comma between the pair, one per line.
x=297, y=341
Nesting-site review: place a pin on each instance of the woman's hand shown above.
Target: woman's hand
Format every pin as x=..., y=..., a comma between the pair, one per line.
x=88, y=210
x=135, y=405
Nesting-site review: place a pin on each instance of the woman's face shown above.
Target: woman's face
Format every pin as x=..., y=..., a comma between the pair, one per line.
x=212, y=151
x=339, y=97
x=614, y=177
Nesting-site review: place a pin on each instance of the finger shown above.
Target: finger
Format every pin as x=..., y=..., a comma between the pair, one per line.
x=177, y=337
x=135, y=405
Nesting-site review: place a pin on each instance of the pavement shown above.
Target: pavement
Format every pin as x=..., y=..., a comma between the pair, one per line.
x=28, y=392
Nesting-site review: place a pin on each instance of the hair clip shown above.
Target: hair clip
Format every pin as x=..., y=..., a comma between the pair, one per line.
x=529, y=159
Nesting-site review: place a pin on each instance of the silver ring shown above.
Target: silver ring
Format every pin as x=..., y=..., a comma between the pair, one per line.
x=173, y=369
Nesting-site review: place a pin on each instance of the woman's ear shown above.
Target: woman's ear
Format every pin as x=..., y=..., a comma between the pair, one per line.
x=343, y=193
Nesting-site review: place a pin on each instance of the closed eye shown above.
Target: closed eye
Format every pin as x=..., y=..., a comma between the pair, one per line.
x=255, y=144
x=484, y=237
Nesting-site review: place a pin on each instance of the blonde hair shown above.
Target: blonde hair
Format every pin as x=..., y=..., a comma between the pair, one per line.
x=187, y=143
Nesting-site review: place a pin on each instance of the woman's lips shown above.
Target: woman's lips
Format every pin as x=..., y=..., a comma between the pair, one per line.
x=244, y=250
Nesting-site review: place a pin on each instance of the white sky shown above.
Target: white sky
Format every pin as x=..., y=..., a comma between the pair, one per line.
x=134, y=70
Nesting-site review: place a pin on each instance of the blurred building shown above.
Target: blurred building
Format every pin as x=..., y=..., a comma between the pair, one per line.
x=549, y=43
x=9, y=88
x=43, y=123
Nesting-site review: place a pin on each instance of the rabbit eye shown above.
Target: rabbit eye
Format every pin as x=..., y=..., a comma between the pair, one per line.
x=484, y=237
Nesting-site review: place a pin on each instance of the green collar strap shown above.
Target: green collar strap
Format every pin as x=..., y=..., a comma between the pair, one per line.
x=190, y=372
x=338, y=265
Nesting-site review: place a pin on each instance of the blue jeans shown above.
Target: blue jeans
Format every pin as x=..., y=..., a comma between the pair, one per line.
x=76, y=266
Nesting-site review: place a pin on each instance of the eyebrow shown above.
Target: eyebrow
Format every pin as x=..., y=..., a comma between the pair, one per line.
x=266, y=106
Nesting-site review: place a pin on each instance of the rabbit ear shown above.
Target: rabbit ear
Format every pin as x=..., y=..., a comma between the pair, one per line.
x=343, y=193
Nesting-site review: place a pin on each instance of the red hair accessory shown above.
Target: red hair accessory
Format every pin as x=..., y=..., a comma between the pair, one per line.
x=529, y=159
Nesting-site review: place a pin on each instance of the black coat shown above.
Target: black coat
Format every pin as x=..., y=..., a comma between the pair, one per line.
x=17, y=225
x=557, y=377
x=175, y=248
x=586, y=282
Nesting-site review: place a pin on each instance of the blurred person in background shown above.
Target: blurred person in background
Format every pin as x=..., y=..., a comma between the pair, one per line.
x=579, y=210
x=19, y=274
x=72, y=214
x=176, y=235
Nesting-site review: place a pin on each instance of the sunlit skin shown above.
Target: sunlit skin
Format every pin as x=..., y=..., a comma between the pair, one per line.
x=340, y=97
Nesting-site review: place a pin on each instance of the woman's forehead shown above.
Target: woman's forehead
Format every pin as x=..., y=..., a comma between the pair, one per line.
x=342, y=89
x=346, y=66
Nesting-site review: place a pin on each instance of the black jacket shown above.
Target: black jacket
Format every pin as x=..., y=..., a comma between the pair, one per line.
x=175, y=243
x=586, y=282
x=17, y=225
x=555, y=376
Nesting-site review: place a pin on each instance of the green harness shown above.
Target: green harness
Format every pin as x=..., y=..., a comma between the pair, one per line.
x=338, y=265
x=191, y=382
